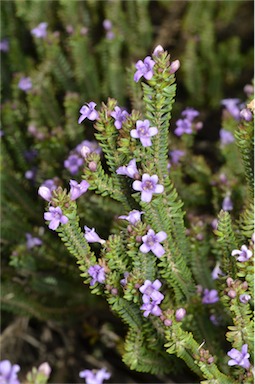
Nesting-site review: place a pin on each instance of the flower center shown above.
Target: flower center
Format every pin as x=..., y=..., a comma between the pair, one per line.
x=148, y=185
x=143, y=131
x=150, y=240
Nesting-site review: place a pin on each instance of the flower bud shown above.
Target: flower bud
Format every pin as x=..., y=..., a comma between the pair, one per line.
x=92, y=166
x=45, y=369
x=85, y=151
x=168, y=322
x=246, y=114
x=174, y=66
x=232, y=293
x=45, y=193
x=159, y=49
x=180, y=314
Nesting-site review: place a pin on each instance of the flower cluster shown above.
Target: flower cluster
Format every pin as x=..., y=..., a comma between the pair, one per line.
x=151, y=298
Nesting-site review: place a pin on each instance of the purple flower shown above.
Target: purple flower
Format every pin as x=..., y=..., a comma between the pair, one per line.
x=45, y=369
x=86, y=147
x=147, y=186
x=123, y=282
x=190, y=113
x=8, y=372
x=73, y=163
x=150, y=292
x=76, y=189
x=107, y=24
x=30, y=174
x=243, y=255
x=226, y=137
x=91, y=236
x=215, y=320
x=239, y=358
x=88, y=111
x=95, y=377
x=210, y=296
x=216, y=271
x=151, y=242
x=144, y=69
x=4, y=45
x=227, y=204
x=130, y=170
x=25, y=84
x=32, y=241
x=244, y=298
x=120, y=116
x=232, y=107
x=246, y=114
x=183, y=126
x=40, y=31
x=133, y=216
x=97, y=273
x=143, y=132
x=152, y=308
x=55, y=216
x=176, y=155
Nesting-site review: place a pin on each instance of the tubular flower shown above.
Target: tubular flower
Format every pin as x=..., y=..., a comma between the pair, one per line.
x=88, y=112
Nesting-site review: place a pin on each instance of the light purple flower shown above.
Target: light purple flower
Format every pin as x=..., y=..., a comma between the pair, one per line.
x=130, y=170
x=40, y=31
x=246, y=114
x=25, y=84
x=32, y=241
x=8, y=372
x=244, y=298
x=180, y=314
x=91, y=236
x=150, y=292
x=239, y=358
x=55, y=216
x=86, y=147
x=147, y=186
x=176, y=155
x=4, y=45
x=227, y=204
x=97, y=273
x=95, y=377
x=210, y=296
x=133, y=216
x=226, y=137
x=144, y=69
x=190, y=113
x=152, y=308
x=120, y=115
x=107, y=24
x=73, y=163
x=215, y=320
x=151, y=242
x=88, y=111
x=232, y=107
x=30, y=174
x=216, y=271
x=123, y=282
x=77, y=190
x=183, y=126
x=144, y=132
x=243, y=255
